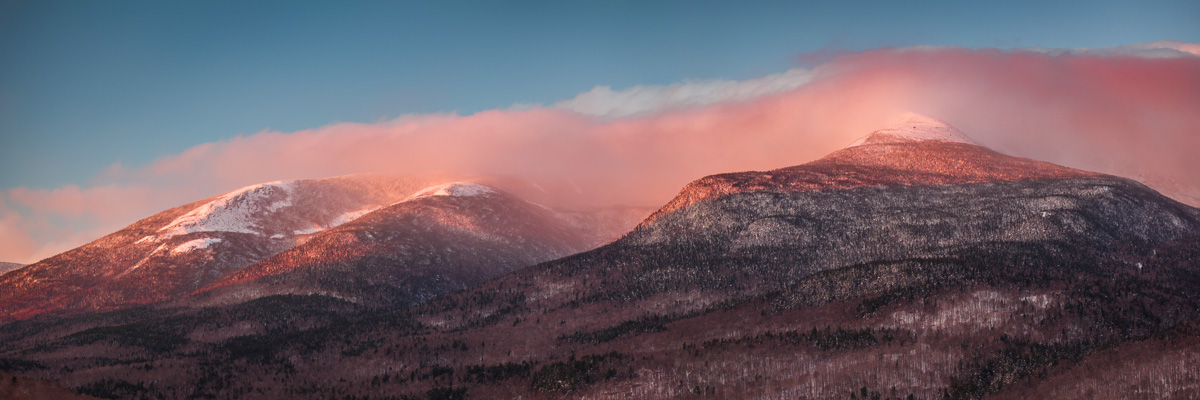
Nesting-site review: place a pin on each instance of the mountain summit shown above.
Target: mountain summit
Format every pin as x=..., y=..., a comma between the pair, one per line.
x=919, y=151
x=440, y=239
x=180, y=250
x=913, y=127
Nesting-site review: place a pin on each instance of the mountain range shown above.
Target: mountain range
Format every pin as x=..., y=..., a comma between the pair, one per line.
x=441, y=239
x=256, y=231
x=914, y=263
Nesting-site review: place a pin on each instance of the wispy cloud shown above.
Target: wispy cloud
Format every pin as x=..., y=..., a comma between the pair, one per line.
x=640, y=100
x=1129, y=113
x=1159, y=49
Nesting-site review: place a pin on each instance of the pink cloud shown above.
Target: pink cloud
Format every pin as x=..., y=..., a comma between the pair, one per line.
x=15, y=240
x=30, y=236
x=1119, y=114
x=105, y=203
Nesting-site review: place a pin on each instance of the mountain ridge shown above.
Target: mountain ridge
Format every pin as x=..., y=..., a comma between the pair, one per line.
x=439, y=239
x=174, y=252
x=879, y=159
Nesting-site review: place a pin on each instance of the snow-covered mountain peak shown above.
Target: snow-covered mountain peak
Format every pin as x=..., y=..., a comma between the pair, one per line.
x=913, y=127
x=463, y=189
x=236, y=211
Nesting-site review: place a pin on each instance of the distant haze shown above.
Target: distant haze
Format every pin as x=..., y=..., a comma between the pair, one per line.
x=1127, y=111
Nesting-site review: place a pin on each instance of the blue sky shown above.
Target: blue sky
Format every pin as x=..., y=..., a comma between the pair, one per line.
x=84, y=84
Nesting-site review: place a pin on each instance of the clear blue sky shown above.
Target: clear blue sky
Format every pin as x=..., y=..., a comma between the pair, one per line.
x=84, y=84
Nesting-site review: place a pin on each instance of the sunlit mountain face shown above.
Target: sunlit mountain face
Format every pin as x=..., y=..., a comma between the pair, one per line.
x=914, y=263
x=177, y=251
x=230, y=238
x=441, y=239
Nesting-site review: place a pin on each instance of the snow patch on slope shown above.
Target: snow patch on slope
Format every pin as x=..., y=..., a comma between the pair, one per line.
x=306, y=231
x=350, y=216
x=194, y=245
x=341, y=219
x=912, y=127
x=143, y=260
x=236, y=211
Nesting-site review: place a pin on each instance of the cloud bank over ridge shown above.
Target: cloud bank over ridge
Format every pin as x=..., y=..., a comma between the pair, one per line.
x=1128, y=111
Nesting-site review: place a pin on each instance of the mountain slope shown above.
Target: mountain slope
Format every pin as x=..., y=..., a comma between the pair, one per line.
x=14, y=388
x=895, y=156
x=440, y=239
x=177, y=251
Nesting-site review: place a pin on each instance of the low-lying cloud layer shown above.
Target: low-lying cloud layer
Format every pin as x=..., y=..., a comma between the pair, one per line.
x=1129, y=111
